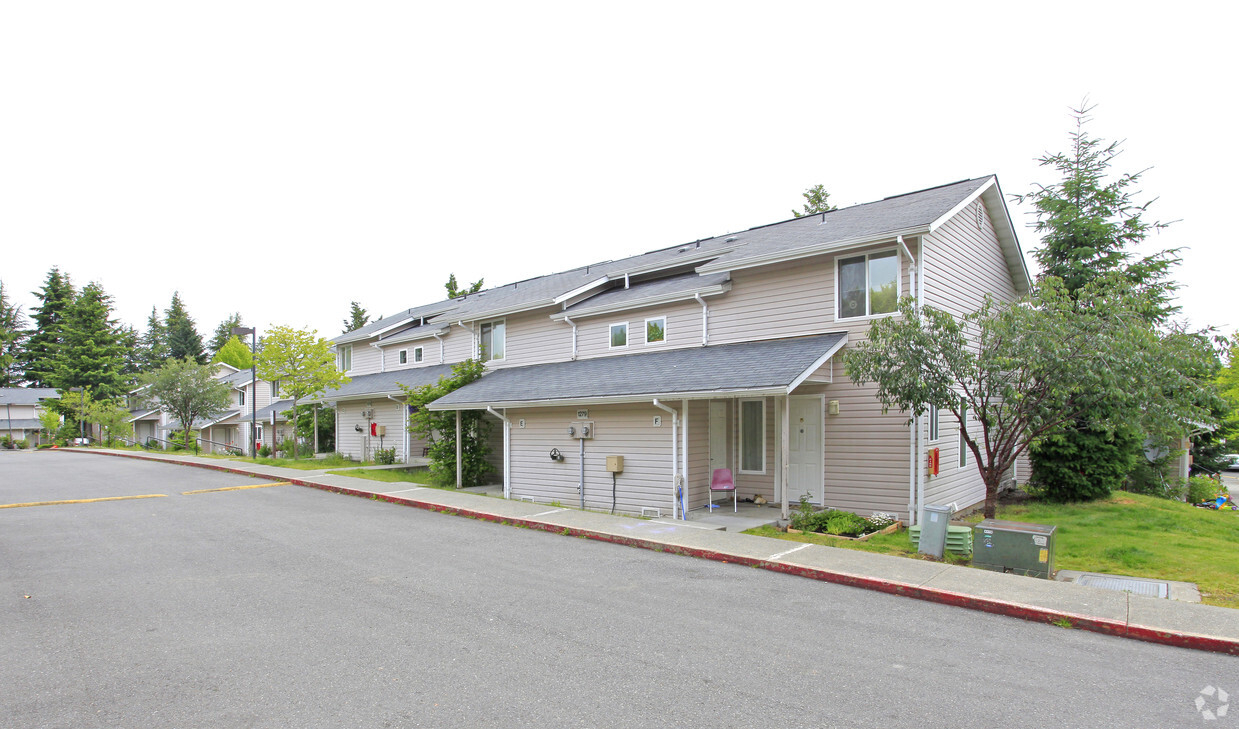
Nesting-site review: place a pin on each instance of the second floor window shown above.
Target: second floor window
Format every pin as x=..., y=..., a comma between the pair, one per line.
x=275, y=389
x=656, y=330
x=240, y=397
x=417, y=354
x=345, y=357
x=491, y=344
x=868, y=285
x=404, y=356
x=619, y=335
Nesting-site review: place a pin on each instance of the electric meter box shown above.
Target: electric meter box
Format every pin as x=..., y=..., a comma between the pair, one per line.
x=615, y=464
x=381, y=430
x=1016, y=547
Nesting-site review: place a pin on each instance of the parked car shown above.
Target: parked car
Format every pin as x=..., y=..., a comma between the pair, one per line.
x=1232, y=461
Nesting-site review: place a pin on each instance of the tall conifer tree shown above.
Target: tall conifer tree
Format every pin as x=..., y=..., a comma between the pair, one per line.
x=91, y=353
x=184, y=342
x=12, y=334
x=41, y=348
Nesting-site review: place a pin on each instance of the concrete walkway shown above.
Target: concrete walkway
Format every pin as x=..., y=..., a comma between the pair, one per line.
x=1187, y=625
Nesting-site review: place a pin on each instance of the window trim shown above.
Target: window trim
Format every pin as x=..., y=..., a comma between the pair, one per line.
x=933, y=423
x=419, y=353
x=275, y=389
x=241, y=397
x=611, y=335
x=898, y=284
x=402, y=356
x=344, y=352
x=663, y=319
x=740, y=459
x=491, y=323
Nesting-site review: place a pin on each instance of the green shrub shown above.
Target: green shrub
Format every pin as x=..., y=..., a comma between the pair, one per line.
x=21, y=444
x=846, y=524
x=1203, y=488
x=831, y=521
x=6, y=442
x=1084, y=464
x=264, y=451
x=385, y=456
x=1152, y=479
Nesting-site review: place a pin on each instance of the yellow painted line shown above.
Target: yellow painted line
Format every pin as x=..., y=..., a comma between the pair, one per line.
x=83, y=501
x=236, y=488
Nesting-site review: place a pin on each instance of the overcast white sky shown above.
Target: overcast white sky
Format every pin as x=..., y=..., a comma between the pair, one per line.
x=282, y=159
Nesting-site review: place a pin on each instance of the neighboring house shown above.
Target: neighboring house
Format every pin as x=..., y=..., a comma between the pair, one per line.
x=228, y=430
x=720, y=353
x=20, y=408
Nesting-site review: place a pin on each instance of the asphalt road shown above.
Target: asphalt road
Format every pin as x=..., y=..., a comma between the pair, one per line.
x=291, y=607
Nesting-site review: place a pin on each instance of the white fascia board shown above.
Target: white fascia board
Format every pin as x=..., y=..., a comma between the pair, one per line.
x=136, y=389
x=349, y=398
x=687, y=295
x=699, y=256
x=961, y=205
x=507, y=311
x=585, y=288
x=424, y=335
x=142, y=415
x=346, y=339
x=807, y=252
x=618, y=399
x=820, y=361
x=1005, y=230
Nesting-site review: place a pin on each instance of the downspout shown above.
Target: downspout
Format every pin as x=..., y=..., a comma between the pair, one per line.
x=684, y=457
x=382, y=359
x=406, y=426
x=675, y=457
x=916, y=486
x=573, y=335
x=705, y=320
x=436, y=336
x=507, y=451
x=476, y=345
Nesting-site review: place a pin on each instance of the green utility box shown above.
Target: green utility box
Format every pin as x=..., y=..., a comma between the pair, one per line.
x=958, y=539
x=1016, y=547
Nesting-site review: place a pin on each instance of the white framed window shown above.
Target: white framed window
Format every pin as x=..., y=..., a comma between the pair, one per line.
x=491, y=336
x=932, y=419
x=752, y=436
x=656, y=330
x=619, y=335
x=275, y=389
x=963, y=431
x=417, y=354
x=344, y=357
x=868, y=285
x=241, y=396
x=404, y=356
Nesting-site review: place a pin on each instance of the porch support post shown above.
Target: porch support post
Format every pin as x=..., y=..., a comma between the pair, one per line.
x=316, y=429
x=785, y=449
x=459, y=475
x=507, y=449
x=684, y=454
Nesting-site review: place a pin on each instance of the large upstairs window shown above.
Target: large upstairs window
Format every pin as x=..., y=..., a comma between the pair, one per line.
x=868, y=285
x=344, y=357
x=491, y=345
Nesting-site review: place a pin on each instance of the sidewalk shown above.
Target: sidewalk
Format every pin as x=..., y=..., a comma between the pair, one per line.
x=1182, y=624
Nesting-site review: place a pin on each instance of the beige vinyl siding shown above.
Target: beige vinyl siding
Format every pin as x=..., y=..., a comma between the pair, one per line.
x=954, y=484
x=457, y=346
x=625, y=430
x=430, y=355
x=683, y=330
x=361, y=446
x=698, y=476
x=963, y=263
x=533, y=337
x=495, y=441
x=366, y=359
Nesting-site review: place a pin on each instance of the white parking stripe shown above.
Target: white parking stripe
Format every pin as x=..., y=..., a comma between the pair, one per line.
x=781, y=555
x=403, y=491
x=552, y=511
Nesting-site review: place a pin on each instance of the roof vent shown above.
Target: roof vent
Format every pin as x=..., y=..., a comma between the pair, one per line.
x=682, y=250
x=731, y=238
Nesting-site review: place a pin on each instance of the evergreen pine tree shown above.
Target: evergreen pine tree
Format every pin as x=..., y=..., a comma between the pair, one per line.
x=91, y=353
x=184, y=342
x=1089, y=224
x=153, y=345
x=223, y=333
x=12, y=334
x=357, y=318
x=40, y=351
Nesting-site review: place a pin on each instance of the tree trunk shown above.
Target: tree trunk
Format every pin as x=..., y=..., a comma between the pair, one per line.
x=991, y=500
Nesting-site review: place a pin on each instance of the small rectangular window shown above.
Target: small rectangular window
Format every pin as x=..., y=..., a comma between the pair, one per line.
x=275, y=389
x=932, y=419
x=491, y=345
x=963, y=430
x=753, y=436
x=417, y=354
x=404, y=356
x=240, y=397
x=868, y=285
x=656, y=330
x=345, y=357
x=619, y=335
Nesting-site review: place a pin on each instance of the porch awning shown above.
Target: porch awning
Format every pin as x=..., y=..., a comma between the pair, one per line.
x=381, y=384
x=772, y=367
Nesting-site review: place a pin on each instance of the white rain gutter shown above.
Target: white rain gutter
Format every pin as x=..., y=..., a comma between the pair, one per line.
x=440, y=338
x=404, y=410
x=507, y=451
x=573, y=335
x=675, y=457
x=382, y=359
x=916, y=484
x=705, y=319
x=475, y=344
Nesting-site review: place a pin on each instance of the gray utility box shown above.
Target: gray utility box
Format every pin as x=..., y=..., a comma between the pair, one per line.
x=934, y=521
x=1012, y=546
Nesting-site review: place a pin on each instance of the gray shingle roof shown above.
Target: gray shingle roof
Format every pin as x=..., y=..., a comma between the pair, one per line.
x=424, y=331
x=621, y=297
x=19, y=424
x=766, y=365
x=386, y=383
x=264, y=414
x=241, y=377
x=26, y=395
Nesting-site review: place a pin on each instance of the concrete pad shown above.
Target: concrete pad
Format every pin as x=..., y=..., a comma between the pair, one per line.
x=1060, y=596
x=1168, y=615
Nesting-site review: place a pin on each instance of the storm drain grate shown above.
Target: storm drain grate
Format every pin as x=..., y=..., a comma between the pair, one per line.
x=1148, y=588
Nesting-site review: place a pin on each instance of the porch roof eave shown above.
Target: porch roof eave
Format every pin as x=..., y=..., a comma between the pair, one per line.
x=618, y=399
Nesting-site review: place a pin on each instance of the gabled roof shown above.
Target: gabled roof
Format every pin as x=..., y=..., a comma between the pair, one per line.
x=649, y=293
x=425, y=331
x=26, y=395
x=237, y=379
x=382, y=384
x=768, y=367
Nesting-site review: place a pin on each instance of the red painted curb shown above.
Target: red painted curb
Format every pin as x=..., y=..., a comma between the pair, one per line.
x=944, y=597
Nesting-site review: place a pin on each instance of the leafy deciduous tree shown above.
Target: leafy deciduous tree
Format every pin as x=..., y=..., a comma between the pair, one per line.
x=187, y=391
x=301, y=360
x=235, y=353
x=816, y=200
x=439, y=427
x=1033, y=369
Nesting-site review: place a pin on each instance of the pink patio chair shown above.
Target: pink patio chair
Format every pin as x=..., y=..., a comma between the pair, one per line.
x=722, y=481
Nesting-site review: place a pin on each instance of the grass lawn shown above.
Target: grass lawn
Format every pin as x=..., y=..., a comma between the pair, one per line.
x=1127, y=534
x=305, y=464
x=419, y=476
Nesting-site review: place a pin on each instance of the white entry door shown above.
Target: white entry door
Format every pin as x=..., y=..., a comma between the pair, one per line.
x=805, y=463
x=718, y=436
